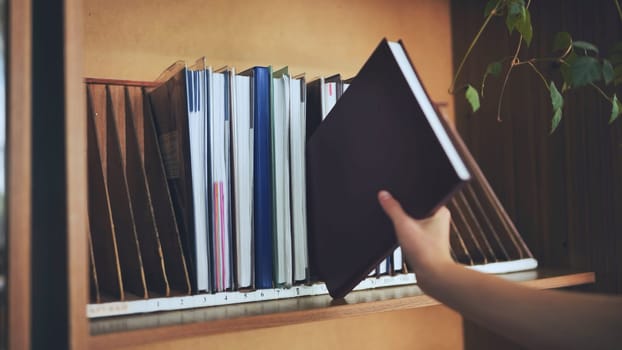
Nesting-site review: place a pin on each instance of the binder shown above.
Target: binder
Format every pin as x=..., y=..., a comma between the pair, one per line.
x=169, y=107
x=262, y=173
x=384, y=133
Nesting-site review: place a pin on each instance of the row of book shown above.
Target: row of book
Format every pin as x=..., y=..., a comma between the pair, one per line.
x=198, y=184
x=198, y=181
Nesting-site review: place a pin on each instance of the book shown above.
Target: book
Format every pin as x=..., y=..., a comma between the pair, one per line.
x=196, y=80
x=220, y=86
x=262, y=175
x=297, y=143
x=242, y=195
x=384, y=133
x=283, y=260
x=169, y=106
x=332, y=90
x=315, y=105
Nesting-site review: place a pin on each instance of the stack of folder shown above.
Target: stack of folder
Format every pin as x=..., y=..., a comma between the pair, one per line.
x=213, y=182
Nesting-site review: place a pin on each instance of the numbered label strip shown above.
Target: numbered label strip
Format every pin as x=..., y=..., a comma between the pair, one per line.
x=228, y=298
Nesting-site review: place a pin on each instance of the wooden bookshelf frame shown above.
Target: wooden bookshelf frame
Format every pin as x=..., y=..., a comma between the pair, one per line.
x=306, y=309
x=77, y=201
x=19, y=218
x=18, y=170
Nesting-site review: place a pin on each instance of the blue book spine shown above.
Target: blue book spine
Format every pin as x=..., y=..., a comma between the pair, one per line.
x=262, y=178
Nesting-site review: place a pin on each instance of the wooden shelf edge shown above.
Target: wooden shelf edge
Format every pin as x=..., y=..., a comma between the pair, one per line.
x=563, y=281
x=546, y=279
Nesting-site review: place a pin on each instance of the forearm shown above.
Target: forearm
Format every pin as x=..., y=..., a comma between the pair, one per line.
x=538, y=319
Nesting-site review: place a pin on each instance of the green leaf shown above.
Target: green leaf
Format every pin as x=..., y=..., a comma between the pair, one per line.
x=616, y=108
x=562, y=41
x=516, y=13
x=557, y=117
x=584, y=70
x=473, y=98
x=490, y=5
x=557, y=101
x=493, y=69
x=584, y=45
x=608, y=73
x=566, y=68
x=524, y=28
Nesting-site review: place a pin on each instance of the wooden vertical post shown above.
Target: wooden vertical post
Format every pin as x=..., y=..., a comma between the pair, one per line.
x=75, y=152
x=18, y=170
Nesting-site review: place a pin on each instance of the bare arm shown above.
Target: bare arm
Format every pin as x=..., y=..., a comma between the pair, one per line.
x=535, y=318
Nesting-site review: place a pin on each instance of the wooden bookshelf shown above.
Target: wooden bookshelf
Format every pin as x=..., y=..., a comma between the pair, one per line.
x=141, y=329
x=137, y=40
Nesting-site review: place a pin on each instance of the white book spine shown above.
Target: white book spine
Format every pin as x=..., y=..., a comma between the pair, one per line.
x=242, y=160
x=220, y=201
x=298, y=188
x=283, y=254
x=195, y=94
x=397, y=259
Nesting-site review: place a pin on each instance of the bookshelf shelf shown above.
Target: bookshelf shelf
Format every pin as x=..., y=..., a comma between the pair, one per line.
x=139, y=329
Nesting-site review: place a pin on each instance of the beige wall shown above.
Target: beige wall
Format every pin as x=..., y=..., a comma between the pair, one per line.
x=137, y=39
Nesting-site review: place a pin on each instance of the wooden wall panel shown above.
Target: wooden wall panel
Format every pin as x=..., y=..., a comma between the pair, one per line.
x=562, y=190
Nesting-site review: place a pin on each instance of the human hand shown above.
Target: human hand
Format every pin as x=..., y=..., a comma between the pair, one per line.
x=425, y=243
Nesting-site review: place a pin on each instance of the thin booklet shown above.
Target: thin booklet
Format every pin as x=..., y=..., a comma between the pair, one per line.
x=383, y=133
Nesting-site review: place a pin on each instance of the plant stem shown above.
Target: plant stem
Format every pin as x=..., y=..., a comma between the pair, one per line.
x=539, y=73
x=619, y=9
x=601, y=92
x=514, y=62
x=475, y=39
x=545, y=59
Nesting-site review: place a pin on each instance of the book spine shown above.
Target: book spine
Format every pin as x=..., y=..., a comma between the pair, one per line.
x=262, y=179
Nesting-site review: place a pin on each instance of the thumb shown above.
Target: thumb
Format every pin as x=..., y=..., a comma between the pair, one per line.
x=391, y=207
